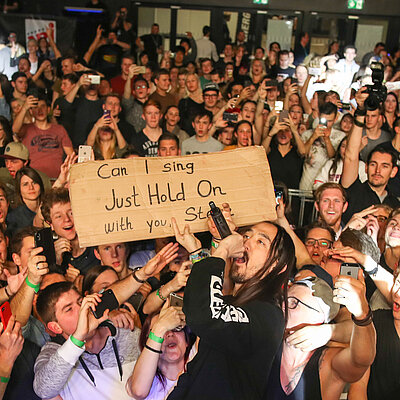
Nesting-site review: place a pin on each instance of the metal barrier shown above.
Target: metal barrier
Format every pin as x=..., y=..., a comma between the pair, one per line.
x=303, y=196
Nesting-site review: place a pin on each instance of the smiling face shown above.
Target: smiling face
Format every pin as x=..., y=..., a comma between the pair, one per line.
x=257, y=243
x=331, y=206
x=62, y=221
x=392, y=233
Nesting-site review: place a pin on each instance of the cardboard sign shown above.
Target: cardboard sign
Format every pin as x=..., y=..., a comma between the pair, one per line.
x=125, y=200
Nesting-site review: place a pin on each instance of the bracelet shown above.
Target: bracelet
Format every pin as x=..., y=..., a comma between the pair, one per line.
x=359, y=124
x=214, y=243
x=363, y=322
x=194, y=258
x=158, y=293
x=8, y=294
x=153, y=350
x=4, y=379
x=36, y=288
x=371, y=267
x=195, y=251
x=156, y=338
x=77, y=342
x=135, y=276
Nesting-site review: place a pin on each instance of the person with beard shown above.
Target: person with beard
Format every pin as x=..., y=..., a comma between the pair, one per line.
x=239, y=333
x=381, y=166
x=331, y=203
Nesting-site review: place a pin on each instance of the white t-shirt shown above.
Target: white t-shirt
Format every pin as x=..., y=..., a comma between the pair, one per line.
x=317, y=156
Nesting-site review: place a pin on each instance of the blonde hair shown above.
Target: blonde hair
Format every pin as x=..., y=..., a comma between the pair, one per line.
x=107, y=153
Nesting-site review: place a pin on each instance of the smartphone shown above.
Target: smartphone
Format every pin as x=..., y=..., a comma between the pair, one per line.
x=5, y=314
x=295, y=80
x=108, y=301
x=283, y=115
x=107, y=113
x=231, y=117
x=175, y=300
x=314, y=71
x=278, y=195
x=84, y=153
x=44, y=238
x=323, y=122
x=349, y=269
x=94, y=79
x=219, y=220
x=346, y=106
x=278, y=105
x=142, y=70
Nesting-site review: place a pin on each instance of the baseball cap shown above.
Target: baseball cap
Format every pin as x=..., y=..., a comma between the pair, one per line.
x=15, y=150
x=211, y=87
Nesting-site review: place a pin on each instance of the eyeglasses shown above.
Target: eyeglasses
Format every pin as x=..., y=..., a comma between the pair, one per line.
x=327, y=244
x=293, y=302
x=141, y=87
x=210, y=95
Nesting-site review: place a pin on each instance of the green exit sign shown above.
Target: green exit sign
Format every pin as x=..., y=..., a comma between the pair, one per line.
x=355, y=4
x=260, y=1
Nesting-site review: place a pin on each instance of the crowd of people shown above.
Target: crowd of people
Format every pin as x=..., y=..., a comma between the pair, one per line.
x=273, y=311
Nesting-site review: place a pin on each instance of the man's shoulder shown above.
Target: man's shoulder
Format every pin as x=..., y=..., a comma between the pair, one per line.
x=306, y=135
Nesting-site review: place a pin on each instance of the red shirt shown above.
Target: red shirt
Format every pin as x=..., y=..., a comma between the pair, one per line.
x=118, y=84
x=46, y=147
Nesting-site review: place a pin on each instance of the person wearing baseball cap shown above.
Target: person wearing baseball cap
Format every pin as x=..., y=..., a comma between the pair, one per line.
x=16, y=156
x=210, y=95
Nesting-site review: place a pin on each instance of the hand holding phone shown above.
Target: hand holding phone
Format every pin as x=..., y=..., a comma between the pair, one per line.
x=108, y=301
x=350, y=269
x=44, y=239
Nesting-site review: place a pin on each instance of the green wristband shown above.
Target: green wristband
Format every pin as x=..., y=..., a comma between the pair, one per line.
x=3, y=379
x=156, y=338
x=36, y=288
x=77, y=342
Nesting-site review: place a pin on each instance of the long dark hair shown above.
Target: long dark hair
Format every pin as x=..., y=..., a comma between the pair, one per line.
x=190, y=338
x=271, y=286
x=336, y=159
x=91, y=276
x=34, y=175
x=5, y=124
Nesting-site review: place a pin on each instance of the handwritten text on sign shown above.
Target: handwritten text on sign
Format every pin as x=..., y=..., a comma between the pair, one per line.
x=134, y=199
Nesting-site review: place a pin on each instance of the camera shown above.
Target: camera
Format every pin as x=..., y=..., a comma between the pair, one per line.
x=377, y=91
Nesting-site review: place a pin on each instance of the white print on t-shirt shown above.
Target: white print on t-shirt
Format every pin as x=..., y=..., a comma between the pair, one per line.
x=219, y=309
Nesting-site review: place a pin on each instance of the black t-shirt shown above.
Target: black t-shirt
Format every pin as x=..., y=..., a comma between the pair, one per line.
x=151, y=44
x=127, y=130
x=87, y=113
x=144, y=146
x=394, y=183
x=287, y=169
x=67, y=115
x=237, y=344
x=108, y=59
x=384, y=381
x=360, y=196
x=85, y=261
x=21, y=379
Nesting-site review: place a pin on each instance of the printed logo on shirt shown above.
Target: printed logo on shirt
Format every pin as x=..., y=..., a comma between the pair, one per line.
x=45, y=142
x=219, y=309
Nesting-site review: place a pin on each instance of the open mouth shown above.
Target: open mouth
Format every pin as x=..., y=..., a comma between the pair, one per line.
x=68, y=228
x=242, y=260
